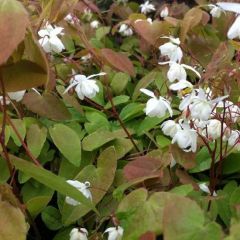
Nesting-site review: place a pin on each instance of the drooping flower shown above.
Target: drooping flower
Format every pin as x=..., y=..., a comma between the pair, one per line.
x=82, y=187
x=79, y=234
x=186, y=138
x=125, y=30
x=232, y=111
x=177, y=71
x=114, y=233
x=95, y=24
x=216, y=11
x=204, y=187
x=234, y=140
x=170, y=128
x=84, y=86
x=172, y=49
x=213, y=129
x=147, y=7
x=156, y=107
x=164, y=13
x=71, y=18
x=49, y=39
x=201, y=107
x=234, y=30
x=17, y=96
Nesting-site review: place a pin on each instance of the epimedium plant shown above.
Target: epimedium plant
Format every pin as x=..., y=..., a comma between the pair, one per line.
x=120, y=123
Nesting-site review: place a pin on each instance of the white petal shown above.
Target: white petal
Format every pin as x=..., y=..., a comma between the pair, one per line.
x=180, y=85
x=98, y=74
x=234, y=30
x=232, y=7
x=191, y=68
x=147, y=92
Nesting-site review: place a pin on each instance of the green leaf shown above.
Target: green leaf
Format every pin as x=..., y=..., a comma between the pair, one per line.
x=68, y=142
x=100, y=137
x=117, y=101
x=102, y=32
x=5, y=174
x=163, y=141
x=182, y=220
x=231, y=164
x=36, y=138
x=100, y=178
x=36, y=196
x=13, y=25
x=138, y=205
x=119, y=82
x=131, y=111
x=50, y=180
x=21, y=128
x=144, y=82
x=96, y=120
x=52, y=218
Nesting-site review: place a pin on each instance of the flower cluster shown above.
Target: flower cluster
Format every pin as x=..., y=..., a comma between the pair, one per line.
x=203, y=116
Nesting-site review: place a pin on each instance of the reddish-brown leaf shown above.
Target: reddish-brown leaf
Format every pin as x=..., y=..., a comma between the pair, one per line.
x=13, y=25
x=151, y=33
x=148, y=236
x=142, y=167
x=185, y=159
x=47, y=105
x=118, y=61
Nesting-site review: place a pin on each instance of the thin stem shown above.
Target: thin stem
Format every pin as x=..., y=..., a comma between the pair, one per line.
x=120, y=120
x=35, y=161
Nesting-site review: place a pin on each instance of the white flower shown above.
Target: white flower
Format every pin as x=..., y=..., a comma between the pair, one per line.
x=171, y=49
x=84, y=86
x=164, y=13
x=213, y=129
x=156, y=107
x=234, y=31
x=17, y=96
x=150, y=20
x=95, y=24
x=125, y=30
x=82, y=187
x=231, y=111
x=49, y=39
x=147, y=7
x=69, y=18
x=234, y=140
x=204, y=187
x=186, y=138
x=177, y=71
x=114, y=233
x=79, y=234
x=201, y=108
x=170, y=128
x=215, y=10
